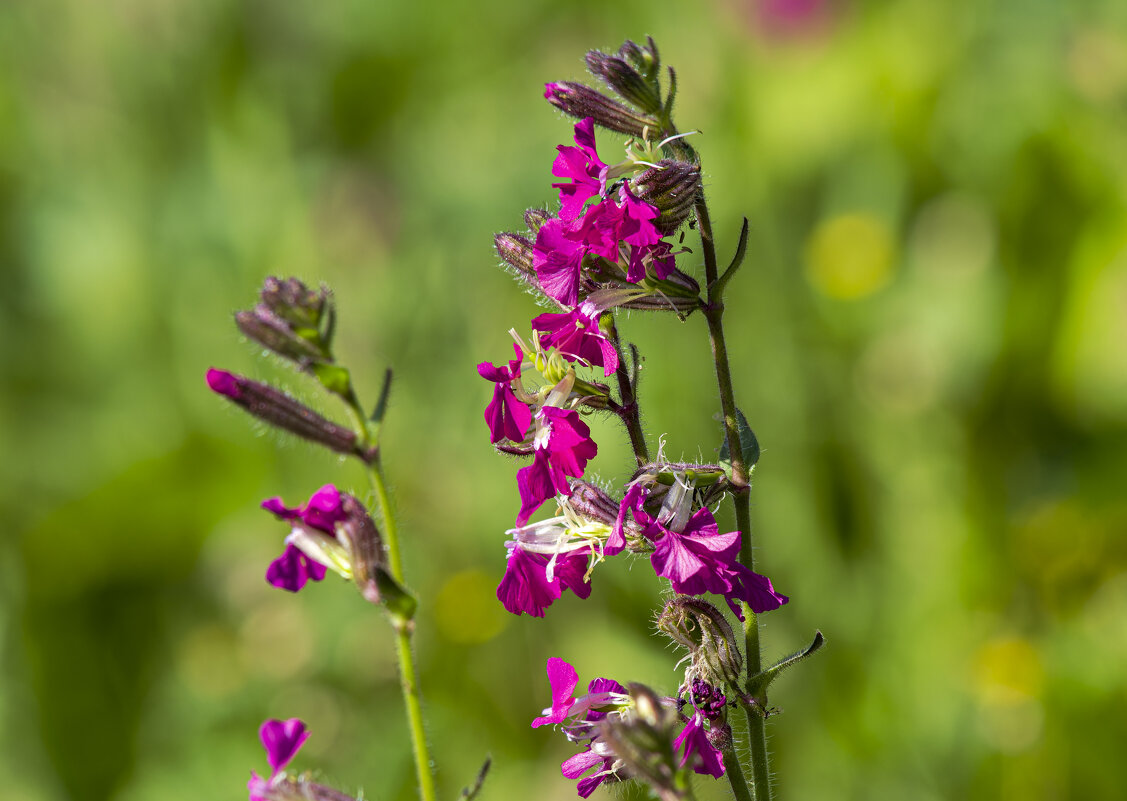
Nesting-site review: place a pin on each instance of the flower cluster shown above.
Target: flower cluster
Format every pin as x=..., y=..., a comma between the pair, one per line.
x=604, y=721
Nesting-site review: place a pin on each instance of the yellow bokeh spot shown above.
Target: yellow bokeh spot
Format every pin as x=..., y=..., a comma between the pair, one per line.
x=467, y=610
x=1007, y=670
x=850, y=256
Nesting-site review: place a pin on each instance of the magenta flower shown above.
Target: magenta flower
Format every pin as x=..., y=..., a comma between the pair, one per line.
x=558, y=261
x=563, y=679
x=704, y=756
x=700, y=559
x=563, y=448
x=577, y=718
x=598, y=755
x=282, y=739
x=582, y=166
x=507, y=416
x=577, y=336
x=602, y=696
x=295, y=567
x=533, y=581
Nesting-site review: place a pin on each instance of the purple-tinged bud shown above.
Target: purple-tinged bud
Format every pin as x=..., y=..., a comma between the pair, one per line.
x=291, y=320
x=362, y=539
x=626, y=81
x=285, y=412
x=516, y=251
x=296, y=303
x=672, y=187
x=287, y=788
x=592, y=503
x=702, y=629
x=643, y=740
x=644, y=59
x=579, y=101
x=263, y=326
x=534, y=218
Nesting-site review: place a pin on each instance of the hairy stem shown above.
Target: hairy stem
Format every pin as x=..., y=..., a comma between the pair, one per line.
x=735, y=773
x=412, y=697
x=629, y=411
x=714, y=314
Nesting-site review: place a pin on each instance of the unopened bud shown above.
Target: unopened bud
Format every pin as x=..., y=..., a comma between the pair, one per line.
x=515, y=251
x=592, y=503
x=672, y=187
x=625, y=81
x=581, y=102
x=285, y=412
x=705, y=632
x=296, y=303
x=534, y=218
x=643, y=740
x=644, y=59
x=292, y=320
x=287, y=788
x=362, y=538
x=263, y=326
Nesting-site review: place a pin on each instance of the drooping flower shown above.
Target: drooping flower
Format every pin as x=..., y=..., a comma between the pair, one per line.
x=582, y=167
x=705, y=758
x=699, y=559
x=576, y=335
x=282, y=739
x=533, y=581
x=603, y=695
x=333, y=530
x=507, y=416
x=563, y=446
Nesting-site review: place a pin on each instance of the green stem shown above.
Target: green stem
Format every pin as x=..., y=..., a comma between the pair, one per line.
x=735, y=773
x=412, y=698
x=714, y=314
x=630, y=416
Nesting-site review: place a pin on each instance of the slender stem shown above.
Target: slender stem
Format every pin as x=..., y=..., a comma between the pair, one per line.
x=735, y=773
x=629, y=414
x=714, y=314
x=412, y=697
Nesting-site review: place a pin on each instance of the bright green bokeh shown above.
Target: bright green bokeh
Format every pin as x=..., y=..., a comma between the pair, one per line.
x=929, y=337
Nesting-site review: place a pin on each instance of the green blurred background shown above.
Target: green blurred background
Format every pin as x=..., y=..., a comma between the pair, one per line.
x=929, y=336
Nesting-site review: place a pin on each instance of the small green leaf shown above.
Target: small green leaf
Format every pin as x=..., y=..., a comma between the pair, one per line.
x=749, y=445
x=381, y=404
x=757, y=684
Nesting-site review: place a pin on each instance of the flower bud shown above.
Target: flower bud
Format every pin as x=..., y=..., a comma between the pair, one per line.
x=705, y=632
x=516, y=251
x=292, y=320
x=672, y=187
x=285, y=412
x=643, y=740
x=287, y=788
x=644, y=59
x=360, y=535
x=534, y=218
x=577, y=100
x=625, y=81
x=592, y=503
x=296, y=303
x=263, y=326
